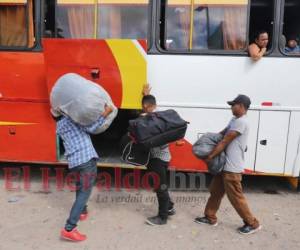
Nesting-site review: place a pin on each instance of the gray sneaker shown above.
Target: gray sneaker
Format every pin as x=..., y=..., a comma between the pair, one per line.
x=247, y=229
x=171, y=211
x=205, y=220
x=156, y=221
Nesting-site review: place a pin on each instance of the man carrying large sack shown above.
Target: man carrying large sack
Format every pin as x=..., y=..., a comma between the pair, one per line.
x=82, y=161
x=80, y=108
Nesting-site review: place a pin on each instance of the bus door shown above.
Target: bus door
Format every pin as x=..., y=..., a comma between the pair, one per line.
x=272, y=141
x=105, y=42
x=26, y=130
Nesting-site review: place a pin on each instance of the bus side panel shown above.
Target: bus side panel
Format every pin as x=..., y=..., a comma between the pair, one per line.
x=204, y=120
x=27, y=132
x=213, y=80
x=292, y=164
x=272, y=142
x=200, y=123
x=22, y=75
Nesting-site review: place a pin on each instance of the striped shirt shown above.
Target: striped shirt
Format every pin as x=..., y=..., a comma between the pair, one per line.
x=162, y=153
x=77, y=141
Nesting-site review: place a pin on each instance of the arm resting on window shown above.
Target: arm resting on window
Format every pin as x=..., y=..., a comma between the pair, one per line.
x=255, y=52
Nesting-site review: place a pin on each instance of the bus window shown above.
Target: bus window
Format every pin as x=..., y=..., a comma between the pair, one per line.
x=261, y=19
x=291, y=28
x=49, y=19
x=207, y=24
x=102, y=19
x=16, y=23
x=123, y=21
x=178, y=20
x=75, y=19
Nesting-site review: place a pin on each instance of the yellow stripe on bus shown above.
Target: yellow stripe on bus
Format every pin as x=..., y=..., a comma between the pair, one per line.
x=14, y=123
x=103, y=1
x=132, y=66
x=170, y=2
x=124, y=1
x=13, y=1
x=75, y=1
x=204, y=2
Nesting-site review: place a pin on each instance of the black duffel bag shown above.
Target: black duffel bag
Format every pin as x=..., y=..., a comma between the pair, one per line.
x=157, y=128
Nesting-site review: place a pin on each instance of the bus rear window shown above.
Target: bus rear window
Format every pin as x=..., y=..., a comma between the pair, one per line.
x=206, y=24
x=105, y=19
x=16, y=23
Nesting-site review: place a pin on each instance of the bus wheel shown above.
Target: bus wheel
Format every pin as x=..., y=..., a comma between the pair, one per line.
x=294, y=182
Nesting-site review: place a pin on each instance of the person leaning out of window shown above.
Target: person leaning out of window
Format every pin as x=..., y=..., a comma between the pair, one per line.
x=259, y=48
x=292, y=46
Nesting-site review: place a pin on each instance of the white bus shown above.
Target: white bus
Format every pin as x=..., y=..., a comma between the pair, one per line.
x=192, y=52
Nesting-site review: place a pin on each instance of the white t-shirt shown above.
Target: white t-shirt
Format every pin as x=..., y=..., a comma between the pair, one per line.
x=235, y=151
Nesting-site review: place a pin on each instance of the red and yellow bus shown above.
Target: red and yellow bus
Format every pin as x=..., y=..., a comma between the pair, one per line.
x=192, y=52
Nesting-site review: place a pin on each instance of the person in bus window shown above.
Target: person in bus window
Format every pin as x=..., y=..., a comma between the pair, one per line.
x=259, y=48
x=158, y=164
x=234, y=144
x=292, y=46
x=82, y=161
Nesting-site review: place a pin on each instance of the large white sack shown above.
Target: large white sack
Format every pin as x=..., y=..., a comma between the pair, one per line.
x=81, y=100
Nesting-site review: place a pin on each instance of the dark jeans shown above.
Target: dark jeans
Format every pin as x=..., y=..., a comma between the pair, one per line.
x=86, y=175
x=160, y=168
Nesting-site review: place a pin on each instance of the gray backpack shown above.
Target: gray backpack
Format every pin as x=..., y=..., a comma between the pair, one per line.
x=204, y=145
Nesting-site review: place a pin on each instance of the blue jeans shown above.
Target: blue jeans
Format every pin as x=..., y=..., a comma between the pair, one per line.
x=86, y=175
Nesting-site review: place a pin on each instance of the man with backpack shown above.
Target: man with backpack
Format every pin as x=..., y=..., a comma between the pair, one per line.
x=158, y=164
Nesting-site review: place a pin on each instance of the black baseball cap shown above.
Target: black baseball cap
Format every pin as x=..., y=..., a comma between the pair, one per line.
x=241, y=99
